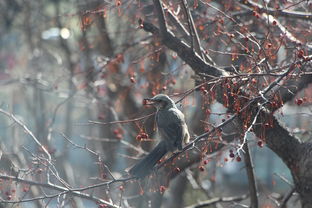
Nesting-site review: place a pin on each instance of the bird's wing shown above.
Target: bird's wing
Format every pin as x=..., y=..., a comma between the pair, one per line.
x=170, y=127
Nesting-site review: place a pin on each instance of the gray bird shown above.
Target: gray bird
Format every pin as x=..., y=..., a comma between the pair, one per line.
x=172, y=129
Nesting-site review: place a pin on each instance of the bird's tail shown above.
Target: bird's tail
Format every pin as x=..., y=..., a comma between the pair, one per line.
x=143, y=167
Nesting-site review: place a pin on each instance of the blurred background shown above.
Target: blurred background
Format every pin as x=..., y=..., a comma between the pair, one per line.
x=67, y=67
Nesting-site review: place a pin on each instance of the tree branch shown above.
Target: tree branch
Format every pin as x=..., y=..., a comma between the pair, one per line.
x=277, y=12
x=185, y=52
x=192, y=29
x=185, y=34
x=286, y=198
x=217, y=200
x=251, y=177
x=161, y=18
x=62, y=190
x=21, y=124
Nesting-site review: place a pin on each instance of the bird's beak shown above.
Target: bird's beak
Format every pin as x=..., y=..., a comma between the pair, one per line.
x=148, y=101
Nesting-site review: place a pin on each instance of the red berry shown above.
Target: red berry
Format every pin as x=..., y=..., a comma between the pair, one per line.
x=121, y=188
x=260, y=143
x=25, y=189
x=138, y=137
x=299, y=101
x=159, y=161
x=305, y=99
x=120, y=58
x=119, y=136
x=140, y=21
x=238, y=159
x=202, y=88
x=226, y=159
x=300, y=54
x=201, y=27
x=208, y=111
x=205, y=162
x=274, y=22
x=232, y=155
x=201, y=168
x=162, y=189
x=164, y=88
x=132, y=79
x=116, y=131
x=9, y=197
x=144, y=135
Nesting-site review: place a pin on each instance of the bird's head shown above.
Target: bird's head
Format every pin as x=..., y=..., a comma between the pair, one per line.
x=160, y=101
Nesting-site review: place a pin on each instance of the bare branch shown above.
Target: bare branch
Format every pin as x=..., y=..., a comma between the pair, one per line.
x=185, y=52
x=192, y=29
x=161, y=18
x=121, y=122
x=26, y=129
x=277, y=12
x=185, y=34
x=63, y=191
x=269, y=19
x=217, y=200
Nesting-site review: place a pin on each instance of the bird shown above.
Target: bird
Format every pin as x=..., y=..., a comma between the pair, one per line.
x=173, y=131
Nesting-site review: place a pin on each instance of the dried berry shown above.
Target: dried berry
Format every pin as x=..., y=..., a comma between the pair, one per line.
x=238, y=159
x=201, y=168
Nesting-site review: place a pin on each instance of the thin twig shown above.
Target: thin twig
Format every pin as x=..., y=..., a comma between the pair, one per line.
x=269, y=19
x=217, y=200
x=286, y=198
x=185, y=34
x=277, y=12
x=120, y=122
x=74, y=192
x=27, y=130
x=195, y=42
x=284, y=179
